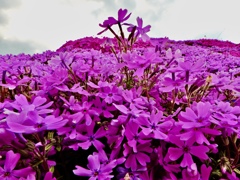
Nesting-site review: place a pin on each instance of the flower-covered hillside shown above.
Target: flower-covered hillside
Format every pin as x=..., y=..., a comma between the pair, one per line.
x=101, y=44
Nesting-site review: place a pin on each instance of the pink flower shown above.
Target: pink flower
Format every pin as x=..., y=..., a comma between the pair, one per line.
x=196, y=117
x=139, y=158
x=49, y=176
x=141, y=31
x=8, y=172
x=96, y=170
x=122, y=16
x=91, y=138
x=86, y=112
x=186, y=149
x=155, y=125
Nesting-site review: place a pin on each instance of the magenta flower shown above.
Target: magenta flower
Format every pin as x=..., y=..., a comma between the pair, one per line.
x=188, y=67
x=133, y=97
x=71, y=128
x=196, y=121
x=32, y=177
x=38, y=104
x=115, y=135
x=134, y=136
x=225, y=108
x=128, y=174
x=155, y=125
x=63, y=59
x=191, y=173
x=49, y=176
x=69, y=104
x=6, y=136
x=86, y=112
x=196, y=117
x=132, y=114
x=110, y=94
x=144, y=61
x=90, y=138
x=140, y=30
x=205, y=172
x=165, y=162
x=76, y=88
x=137, y=159
x=199, y=134
x=102, y=108
x=58, y=77
x=122, y=16
x=139, y=62
x=33, y=123
x=146, y=176
x=8, y=172
x=96, y=170
x=226, y=118
x=186, y=149
x=169, y=84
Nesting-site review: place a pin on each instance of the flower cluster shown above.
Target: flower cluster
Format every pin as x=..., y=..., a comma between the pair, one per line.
x=121, y=110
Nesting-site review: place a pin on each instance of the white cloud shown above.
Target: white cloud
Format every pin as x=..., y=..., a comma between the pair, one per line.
x=51, y=22
x=188, y=19
x=15, y=46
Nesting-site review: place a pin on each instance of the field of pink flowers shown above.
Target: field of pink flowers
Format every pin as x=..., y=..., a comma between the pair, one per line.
x=129, y=107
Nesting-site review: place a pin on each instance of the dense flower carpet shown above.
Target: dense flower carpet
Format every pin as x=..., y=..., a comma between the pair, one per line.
x=129, y=107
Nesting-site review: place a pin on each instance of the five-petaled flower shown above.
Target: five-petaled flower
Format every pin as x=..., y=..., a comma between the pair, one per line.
x=140, y=30
x=187, y=149
x=96, y=170
x=122, y=16
x=8, y=172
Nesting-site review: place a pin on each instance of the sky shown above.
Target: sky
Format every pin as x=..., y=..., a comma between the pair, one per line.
x=34, y=26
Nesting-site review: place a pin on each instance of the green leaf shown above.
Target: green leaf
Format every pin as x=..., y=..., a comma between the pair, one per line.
x=48, y=147
x=37, y=163
x=217, y=173
x=237, y=171
x=50, y=135
x=58, y=148
x=51, y=169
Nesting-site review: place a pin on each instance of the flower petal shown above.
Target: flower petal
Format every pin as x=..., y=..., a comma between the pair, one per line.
x=23, y=172
x=205, y=172
x=85, y=145
x=19, y=128
x=189, y=114
x=109, y=167
x=200, y=151
x=11, y=161
x=93, y=162
x=131, y=162
x=80, y=171
x=187, y=160
x=175, y=153
x=142, y=158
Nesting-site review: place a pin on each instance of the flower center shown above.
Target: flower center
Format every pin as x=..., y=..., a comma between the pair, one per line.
x=186, y=149
x=39, y=125
x=6, y=174
x=92, y=138
x=96, y=173
x=200, y=120
x=154, y=126
x=136, y=137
